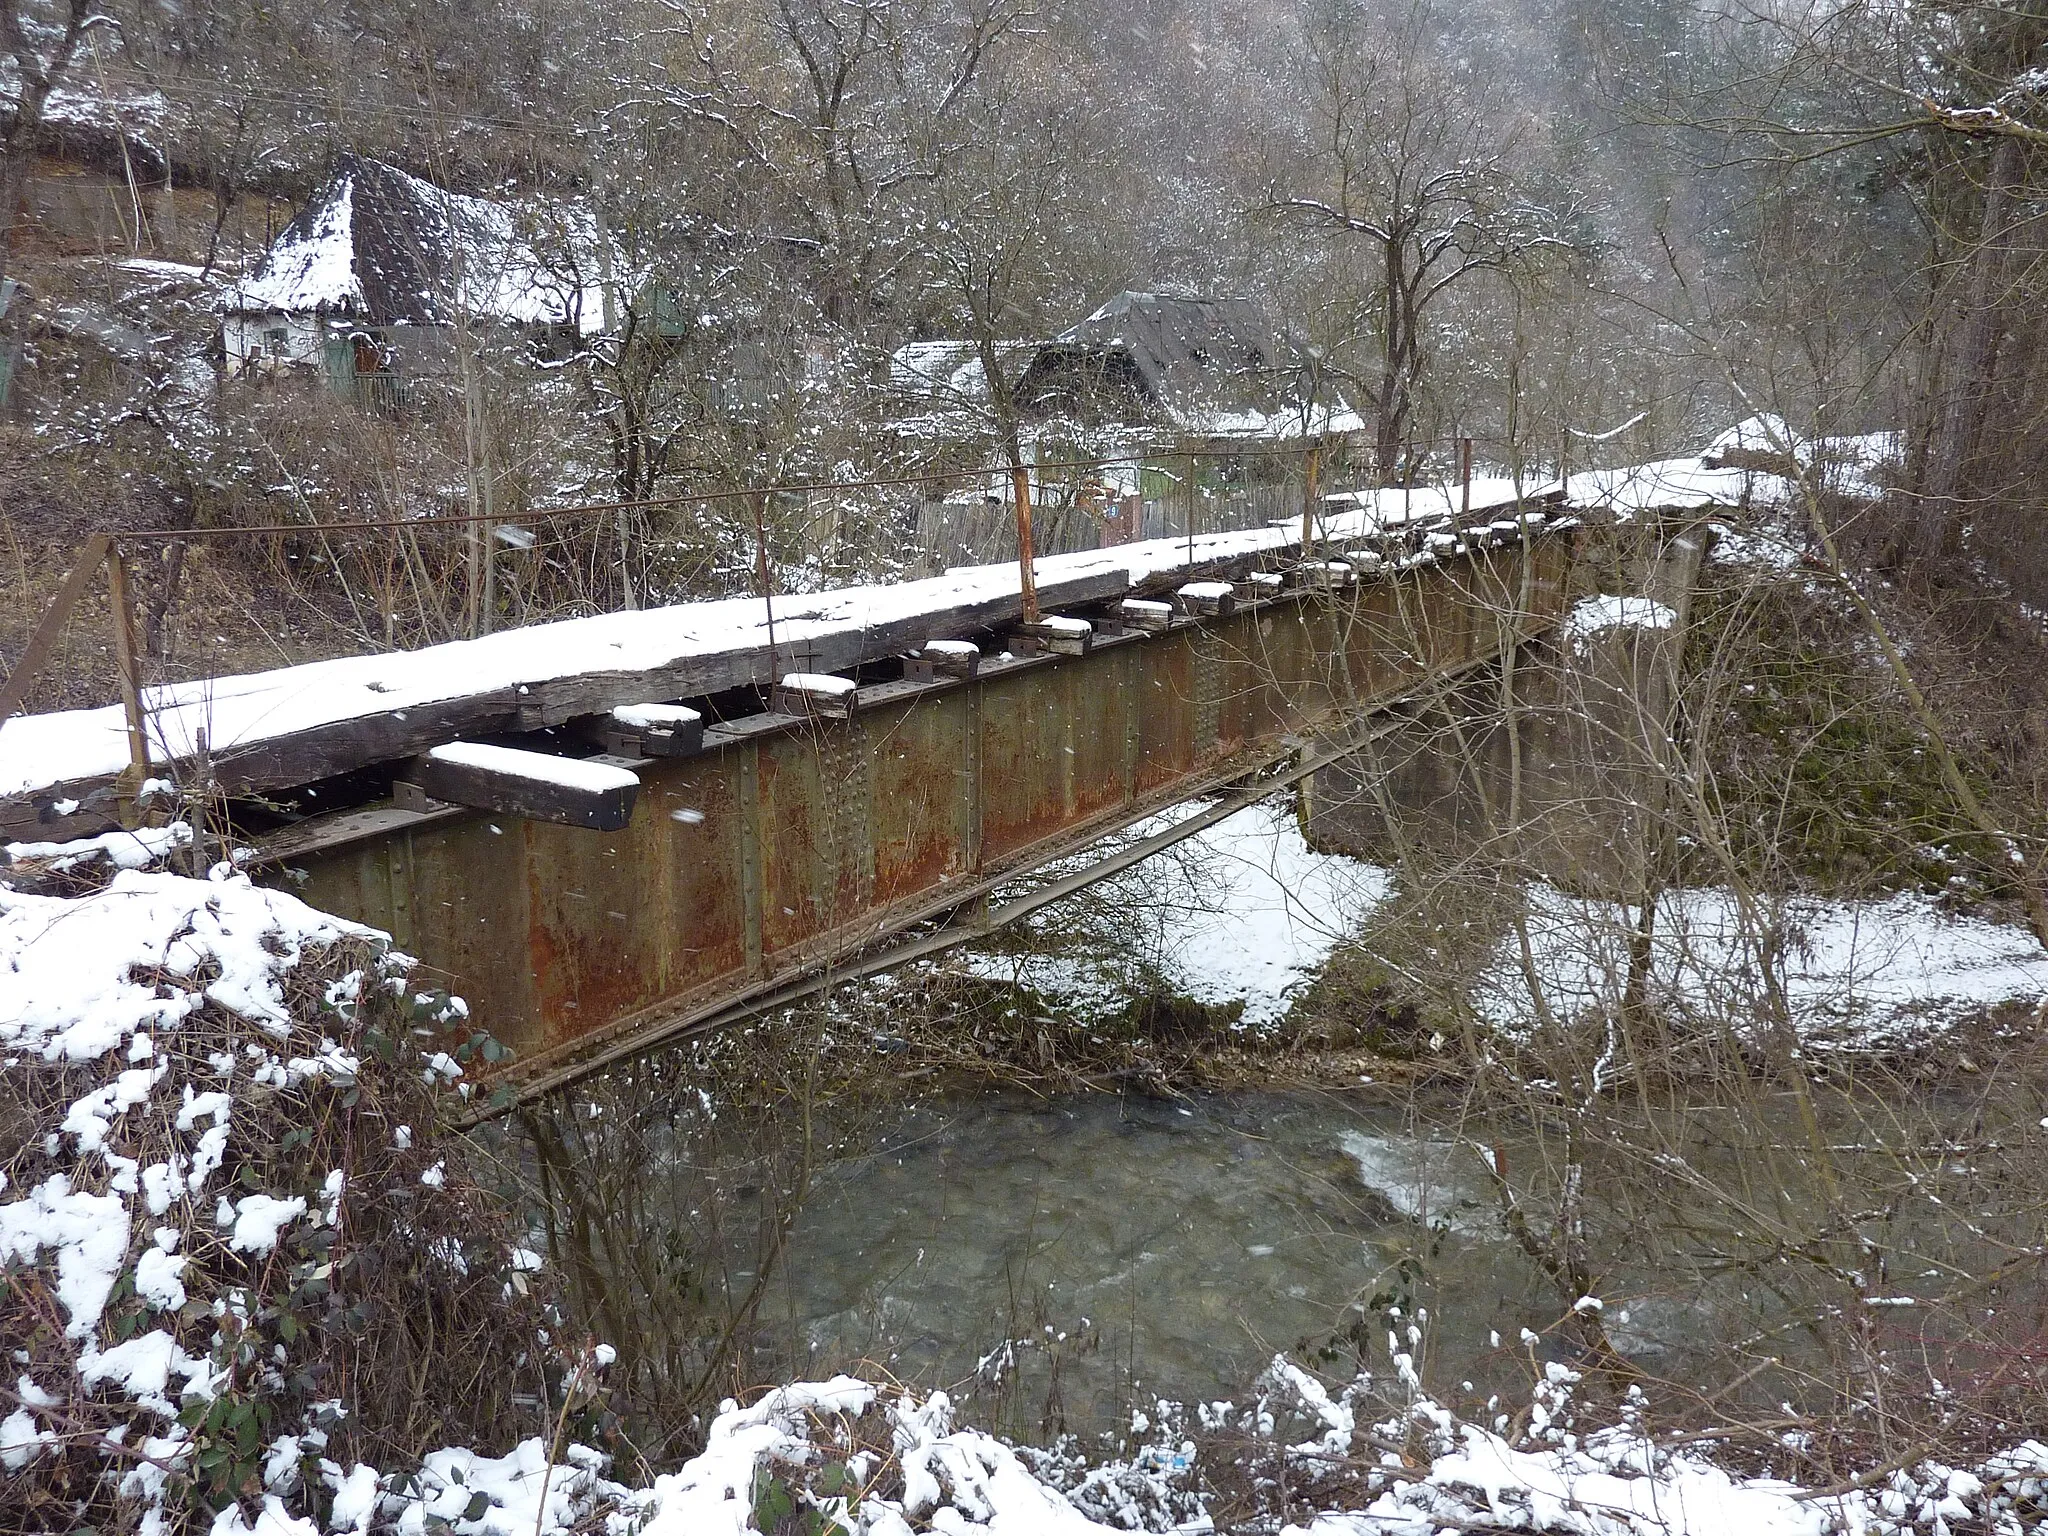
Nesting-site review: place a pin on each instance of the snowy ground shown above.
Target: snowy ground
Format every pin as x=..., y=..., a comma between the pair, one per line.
x=1855, y=972
x=1242, y=912
x=1245, y=912
x=914, y=1469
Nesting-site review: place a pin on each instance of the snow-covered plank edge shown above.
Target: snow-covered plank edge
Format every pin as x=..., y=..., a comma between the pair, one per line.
x=655, y=730
x=532, y=785
x=297, y=724
x=654, y=717
x=817, y=693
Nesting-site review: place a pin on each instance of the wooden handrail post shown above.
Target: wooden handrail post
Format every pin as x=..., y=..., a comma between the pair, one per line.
x=1020, y=487
x=128, y=661
x=44, y=640
x=764, y=577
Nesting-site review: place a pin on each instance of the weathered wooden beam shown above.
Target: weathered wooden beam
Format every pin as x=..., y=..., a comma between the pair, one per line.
x=1145, y=614
x=1060, y=634
x=653, y=730
x=944, y=658
x=1218, y=598
x=756, y=666
x=571, y=791
x=817, y=693
x=91, y=555
x=322, y=751
x=128, y=662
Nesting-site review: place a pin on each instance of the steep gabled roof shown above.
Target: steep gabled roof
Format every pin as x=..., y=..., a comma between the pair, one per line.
x=1204, y=368
x=1211, y=367
x=387, y=248
x=1185, y=347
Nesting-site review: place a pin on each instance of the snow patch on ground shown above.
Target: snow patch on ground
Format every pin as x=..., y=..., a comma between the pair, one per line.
x=1866, y=973
x=1243, y=911
x=1246, y=911
x=1593, y=614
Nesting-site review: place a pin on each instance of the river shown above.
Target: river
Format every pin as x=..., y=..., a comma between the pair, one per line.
x=1063, y=1262
x=1154, y=1248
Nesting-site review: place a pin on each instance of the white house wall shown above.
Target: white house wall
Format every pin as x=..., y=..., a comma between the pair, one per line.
x=257, y=343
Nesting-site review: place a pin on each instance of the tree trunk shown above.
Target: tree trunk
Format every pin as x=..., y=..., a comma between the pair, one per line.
x=1969, y=381
x=13, y=188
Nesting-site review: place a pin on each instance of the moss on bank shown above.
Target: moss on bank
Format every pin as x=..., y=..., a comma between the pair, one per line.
x=1821, y=773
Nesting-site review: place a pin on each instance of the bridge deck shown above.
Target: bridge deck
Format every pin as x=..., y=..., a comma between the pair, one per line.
x=792, y=846
x=61, y=772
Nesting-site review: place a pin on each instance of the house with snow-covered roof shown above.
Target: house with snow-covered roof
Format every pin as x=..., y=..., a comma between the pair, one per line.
x=1154, y=370
x=1153, y=411
x=1200, y=370
x=380, y=268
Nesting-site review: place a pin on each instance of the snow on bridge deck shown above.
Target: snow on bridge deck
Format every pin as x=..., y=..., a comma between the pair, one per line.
x=285, y=726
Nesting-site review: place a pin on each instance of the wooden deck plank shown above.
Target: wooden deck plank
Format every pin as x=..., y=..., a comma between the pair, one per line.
x=304, y=757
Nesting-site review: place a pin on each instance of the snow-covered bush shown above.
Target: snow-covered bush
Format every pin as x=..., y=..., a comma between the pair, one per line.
x=235, y=1256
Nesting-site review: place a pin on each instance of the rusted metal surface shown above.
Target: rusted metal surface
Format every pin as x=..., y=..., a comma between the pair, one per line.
x=794, y=844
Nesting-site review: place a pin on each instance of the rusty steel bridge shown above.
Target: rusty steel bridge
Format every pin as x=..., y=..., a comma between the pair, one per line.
x=720, y=845
x=795, y=845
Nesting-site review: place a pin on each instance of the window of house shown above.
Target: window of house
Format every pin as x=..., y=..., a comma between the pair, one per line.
x=274, y=340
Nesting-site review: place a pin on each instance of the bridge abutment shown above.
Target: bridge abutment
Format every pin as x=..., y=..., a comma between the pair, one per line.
x=1562, y=760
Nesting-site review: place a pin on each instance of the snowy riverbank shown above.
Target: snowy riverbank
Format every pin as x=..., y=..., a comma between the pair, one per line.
x=1246, y=912
x=208, y=1074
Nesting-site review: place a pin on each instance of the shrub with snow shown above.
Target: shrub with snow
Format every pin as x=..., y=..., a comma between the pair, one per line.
x=222, y=1269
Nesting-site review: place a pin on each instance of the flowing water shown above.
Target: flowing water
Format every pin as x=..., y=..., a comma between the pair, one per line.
x=1158, y=1249
x=1073, y=1259
x=1079, y=1257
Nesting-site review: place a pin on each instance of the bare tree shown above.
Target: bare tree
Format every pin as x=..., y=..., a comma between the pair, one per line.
x=1413, y=189
x=1941, y=108
x=995, y=260
x=840, y=112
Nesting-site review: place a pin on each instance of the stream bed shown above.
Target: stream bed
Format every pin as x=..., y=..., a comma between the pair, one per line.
x=1158, y=1249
